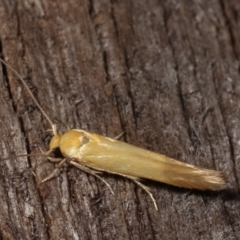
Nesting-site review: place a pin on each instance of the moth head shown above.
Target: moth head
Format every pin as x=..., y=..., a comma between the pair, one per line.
x=54, y=143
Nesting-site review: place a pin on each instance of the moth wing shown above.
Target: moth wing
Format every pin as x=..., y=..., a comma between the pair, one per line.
x=114, y=156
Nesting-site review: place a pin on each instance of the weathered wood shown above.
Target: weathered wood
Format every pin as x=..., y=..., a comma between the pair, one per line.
x=164, y=72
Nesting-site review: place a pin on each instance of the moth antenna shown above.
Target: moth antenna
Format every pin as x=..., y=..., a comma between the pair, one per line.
x=54, y=127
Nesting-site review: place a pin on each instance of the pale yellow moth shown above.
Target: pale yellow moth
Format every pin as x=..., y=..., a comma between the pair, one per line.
x=94, y=154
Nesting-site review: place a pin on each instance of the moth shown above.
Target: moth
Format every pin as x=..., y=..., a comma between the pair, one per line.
x=95, y=154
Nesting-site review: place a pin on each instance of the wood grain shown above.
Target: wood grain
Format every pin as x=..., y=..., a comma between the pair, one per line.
x=164, y=72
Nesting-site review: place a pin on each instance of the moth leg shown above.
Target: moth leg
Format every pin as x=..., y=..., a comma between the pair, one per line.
x=47, y=153
x=119, y=136
x=55, y=171
x=34, y=163
x=146, y=189
x=92, y=172
x=135, y=180
x=54, y=160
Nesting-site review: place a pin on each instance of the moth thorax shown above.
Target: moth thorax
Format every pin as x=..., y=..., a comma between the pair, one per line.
x=71, y=142
x=54, y=143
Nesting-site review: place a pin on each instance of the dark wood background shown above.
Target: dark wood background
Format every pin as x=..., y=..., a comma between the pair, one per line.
x=164, y=72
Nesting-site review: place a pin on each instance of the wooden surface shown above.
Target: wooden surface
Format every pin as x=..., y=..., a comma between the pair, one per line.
x=164, y=72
